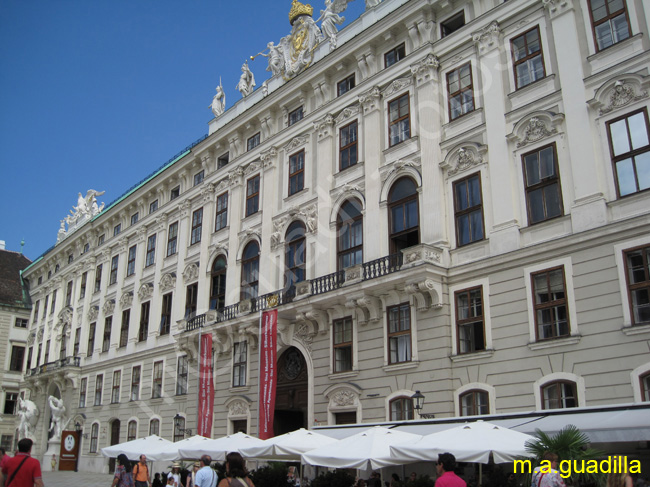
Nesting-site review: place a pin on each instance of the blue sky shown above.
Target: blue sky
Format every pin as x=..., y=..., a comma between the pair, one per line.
x=96, y=94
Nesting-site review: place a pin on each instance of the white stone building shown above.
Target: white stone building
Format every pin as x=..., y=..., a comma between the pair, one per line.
x=453, y=200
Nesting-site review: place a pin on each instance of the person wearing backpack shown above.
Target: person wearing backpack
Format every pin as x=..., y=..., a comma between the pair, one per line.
x=141, y=473
x=22, y=470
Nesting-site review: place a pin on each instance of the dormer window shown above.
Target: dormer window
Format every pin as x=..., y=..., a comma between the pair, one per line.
x=452, y=24
x=223, y=160
x=394, y=55
x=295, y=116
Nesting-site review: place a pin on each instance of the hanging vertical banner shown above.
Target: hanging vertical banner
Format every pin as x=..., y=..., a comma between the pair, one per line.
x=268, y=376
x=206, y=387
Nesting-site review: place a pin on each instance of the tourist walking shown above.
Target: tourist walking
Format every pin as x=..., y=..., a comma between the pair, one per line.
x=543, y=478
x=22, y=470
x=236, y=473
x=123, y=474
x=175, y=475
x=141, y=473
x=446, y=475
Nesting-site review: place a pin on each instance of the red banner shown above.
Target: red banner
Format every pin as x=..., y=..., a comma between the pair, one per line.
x=268, y=376
x=206, y=387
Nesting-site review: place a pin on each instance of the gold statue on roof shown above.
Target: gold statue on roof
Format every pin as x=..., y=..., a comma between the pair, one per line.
x=298, y=9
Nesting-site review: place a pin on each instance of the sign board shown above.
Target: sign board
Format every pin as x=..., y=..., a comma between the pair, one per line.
x=69, y=450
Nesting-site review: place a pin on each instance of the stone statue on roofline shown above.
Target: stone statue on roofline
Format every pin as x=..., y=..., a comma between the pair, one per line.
x=330, y=19
x=219, y=101
x=246, y=83
x=85, y=209
x=372, y=3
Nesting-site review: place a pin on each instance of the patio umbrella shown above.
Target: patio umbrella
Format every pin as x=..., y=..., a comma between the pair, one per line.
x=471, y=442
x=172, y=449
x=288, y=446
x=367, y=449
x=153, y=446
x=219, y=447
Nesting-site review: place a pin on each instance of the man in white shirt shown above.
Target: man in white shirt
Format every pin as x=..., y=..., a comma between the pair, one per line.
x=206, y=476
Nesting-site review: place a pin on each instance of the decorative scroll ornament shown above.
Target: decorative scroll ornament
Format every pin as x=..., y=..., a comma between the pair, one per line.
x=347, y=113
x=425, y=69
x=268, y=156
x=369, y=100
x=344, y=398
x=65, y=316
x=167, y=282
x=487, y=38
x=324, y=126
x=303, y=335
x=92, y=313
x=465, y=158
x=191, y=272
x=237, y=408
x=109, y=307
x=397, y=85
x=126, y=300
x=622, y=94
x=534, y=131
x=145, y=291
x=296, y=143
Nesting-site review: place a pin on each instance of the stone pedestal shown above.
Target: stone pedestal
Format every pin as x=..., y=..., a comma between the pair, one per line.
x=53, y=449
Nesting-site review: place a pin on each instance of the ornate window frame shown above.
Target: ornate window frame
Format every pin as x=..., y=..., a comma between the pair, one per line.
x=239, y=408
x=456, y=356
x=559, y=377
x=343, y=398
x=628, y=328
x=475, y=386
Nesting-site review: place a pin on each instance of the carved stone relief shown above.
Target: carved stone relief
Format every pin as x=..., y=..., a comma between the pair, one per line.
x=108, y=307
x=191, y=272
x=145, y=291
x=168, y=282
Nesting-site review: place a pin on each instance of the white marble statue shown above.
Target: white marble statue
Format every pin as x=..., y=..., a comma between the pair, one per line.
x=28, y=414
x=372, y=3
x=276, y=58
x=246, y=83
x=330, y=19
x=58, y=412
x=219, y=101
x=61, y=233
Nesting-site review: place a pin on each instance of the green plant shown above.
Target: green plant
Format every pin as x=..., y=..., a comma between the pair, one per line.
x=272, y=475
x=338, y=478
x=420, y=481
x=569, y=444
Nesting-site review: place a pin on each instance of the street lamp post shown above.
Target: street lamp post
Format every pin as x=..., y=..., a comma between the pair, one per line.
x=77, y=428
x=418, y=399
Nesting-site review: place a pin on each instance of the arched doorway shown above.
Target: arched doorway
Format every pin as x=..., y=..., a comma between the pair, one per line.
x=115, y=439
x=292, y=397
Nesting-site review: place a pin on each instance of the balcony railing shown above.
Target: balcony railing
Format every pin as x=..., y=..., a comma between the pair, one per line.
x=271, y=300
x=325, y=284
x=57, y=364
x=195, y=322
x=382, y=266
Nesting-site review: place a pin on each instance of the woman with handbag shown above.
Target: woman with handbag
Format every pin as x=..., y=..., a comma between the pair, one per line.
x=123, y=475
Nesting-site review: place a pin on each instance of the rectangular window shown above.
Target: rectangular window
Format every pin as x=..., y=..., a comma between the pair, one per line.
x=296, y=172
x=343, y=345
x=94, y=433
x=252, y=195
x=106, y=342
x=223, y=160
x=174, y=193
x=637, y=270
x=609, y=22
x=30, y=353
x=101, y=239
x=399, y=333
x=460, y=91
x=549, y=298
x=82, y=392
x=394, y=55
x=151, y=251
x=197, y=225
x=132, y=430
x=253, y=142
x=134, y=218
x=470, y=330
x=399, y=120
x=154, y=427
x=527, y=58
x=345, y=85
x=11, y=398
x=91, y=340
x=117, y=229
x=181, y=376
x=53, y=303
x=153, y=206
x=77, y=342
x=46, y=358
x=38, y=354
x=113, y=275
x=130, y=265
x=166, y=314
x=452, y=24
x=629, y=146
x=45, y=308
x=21, y=323
x=124, y=329
x=468, y=210
x=36, y=310
x=68, y=294
x=156, y=390
x=542, y=180
x=82, y=289
x=191, y=300
x=295, y=116
x=115, y=392
x=70, y=258
x=240, y=352
x=348, y=146
x=143, y=331
x=86, y=248
x=172, y=238
x=99, y=384
x=98, y=278
x=135, y=383
x=222, y=212
x=17, y=358
x=198, y=178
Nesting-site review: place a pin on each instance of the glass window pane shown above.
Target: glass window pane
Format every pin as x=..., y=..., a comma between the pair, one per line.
x=614, y=5
x=465, y=76
x=541, y=288
x=462, y=305
x=620, y=28
x=536, y=203
x=641, y=305
x=477, y=225
x=604, y=35
x=546, y=163
x=598, y=9
x=532, y=38
x=537, y=68
x=552, y=197
x=638, y=130
x=468, y=101
x=454, y=103
x=452, y=80
x=474, y=191
x=411, y=214
x=532, y=169
x=642, y=163
x=519, y=48
x=523, y=75
x=461, y=196
x=462, y=222
x=625, y=174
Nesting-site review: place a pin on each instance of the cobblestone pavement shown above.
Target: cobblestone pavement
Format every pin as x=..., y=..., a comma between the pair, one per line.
x=74, y=479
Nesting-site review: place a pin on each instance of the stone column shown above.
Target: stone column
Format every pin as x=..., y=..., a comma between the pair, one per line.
x=203, y=299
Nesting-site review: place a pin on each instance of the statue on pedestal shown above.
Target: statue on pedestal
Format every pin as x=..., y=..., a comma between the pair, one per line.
x=219, y=101
x=58, y=412
x=28, y=414
x=246, y=83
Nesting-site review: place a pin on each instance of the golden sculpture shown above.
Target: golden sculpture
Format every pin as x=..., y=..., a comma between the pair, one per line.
x=298, y=9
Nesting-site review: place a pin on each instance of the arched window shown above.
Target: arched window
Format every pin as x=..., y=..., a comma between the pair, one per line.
x=474, y=402
x=559, y=395
x=645, y=386
x=350, y=234
x=132, y=430
x=294, y=254
x=94, y=433
x=403, y=219
x=250, y=271
x=218, y=288
x=179, y=428
x=401, y=409
x=154, y=427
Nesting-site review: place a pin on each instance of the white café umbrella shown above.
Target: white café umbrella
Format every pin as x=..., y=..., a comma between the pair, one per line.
x=470, y=442
x=288, y=446
x=219, y=447
x=153, y=446
x=172, y=448
x=368, y=449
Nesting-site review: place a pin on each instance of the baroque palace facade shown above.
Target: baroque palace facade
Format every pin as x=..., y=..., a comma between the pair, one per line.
x=449, y=197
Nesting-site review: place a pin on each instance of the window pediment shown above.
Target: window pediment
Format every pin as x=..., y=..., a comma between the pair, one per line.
x=464, y=157
x=535, y=126
x=619, y=92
